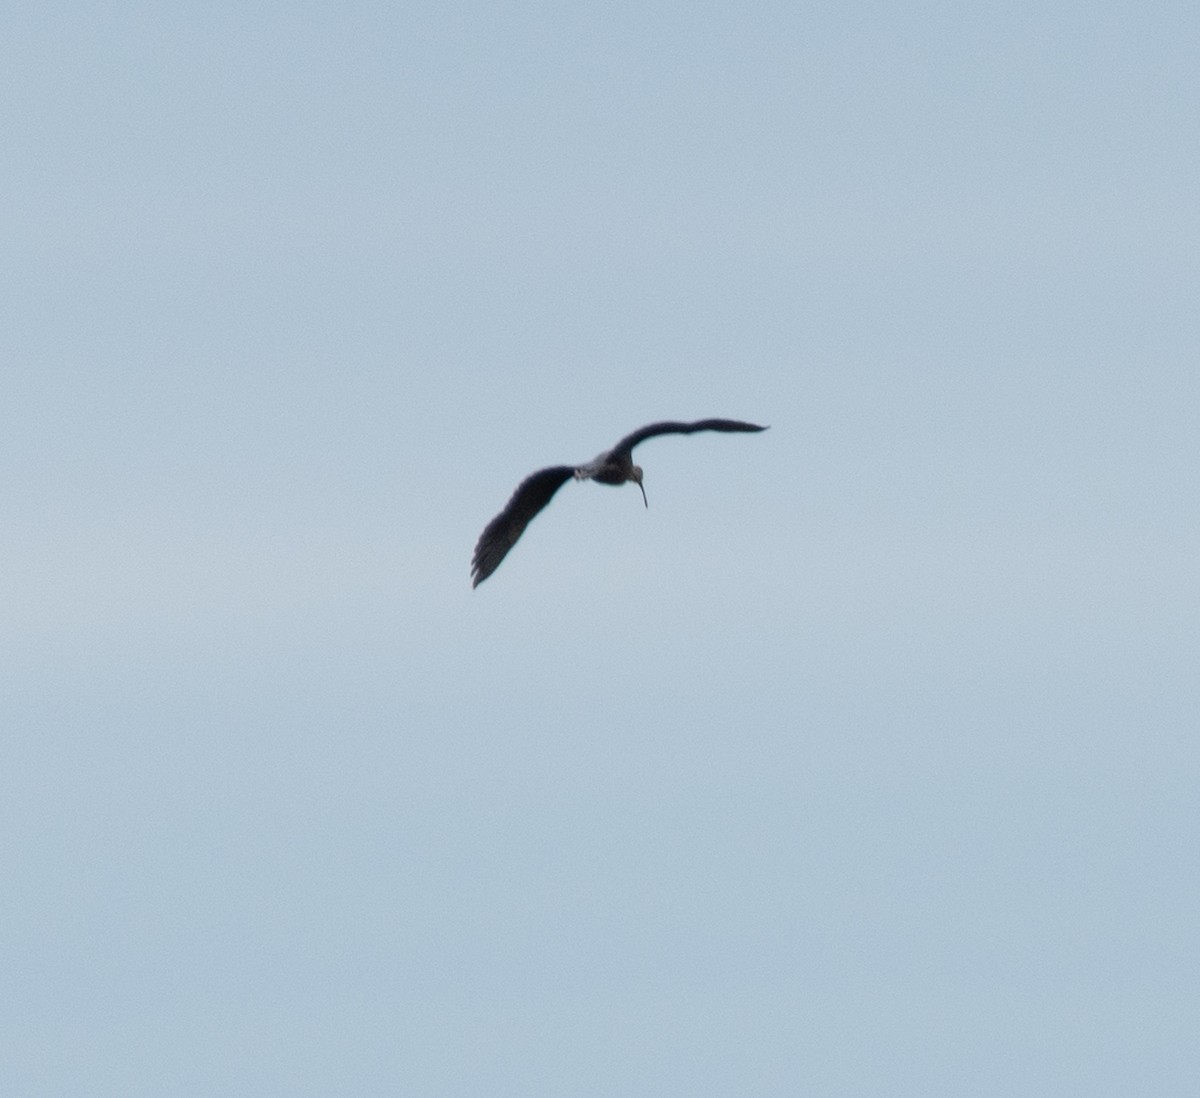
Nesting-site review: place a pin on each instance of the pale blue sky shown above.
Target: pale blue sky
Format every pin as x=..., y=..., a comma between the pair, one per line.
x=863, y=762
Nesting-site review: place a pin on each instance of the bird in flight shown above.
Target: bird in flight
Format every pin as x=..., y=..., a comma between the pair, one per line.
x=614, y=466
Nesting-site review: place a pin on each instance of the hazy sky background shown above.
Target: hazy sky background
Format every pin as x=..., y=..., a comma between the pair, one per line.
x=864, y=762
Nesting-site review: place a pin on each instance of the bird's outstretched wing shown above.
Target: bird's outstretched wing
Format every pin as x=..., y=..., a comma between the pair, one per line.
x=672, y=428
x=501, y=534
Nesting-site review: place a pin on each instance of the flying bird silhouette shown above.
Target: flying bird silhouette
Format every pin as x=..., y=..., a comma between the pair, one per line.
x=614, y=466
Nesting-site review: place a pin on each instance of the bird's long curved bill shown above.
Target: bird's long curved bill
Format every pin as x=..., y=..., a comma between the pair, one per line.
x=644, y=499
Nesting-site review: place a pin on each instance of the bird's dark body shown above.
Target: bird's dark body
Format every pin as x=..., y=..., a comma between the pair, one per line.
x=614, y=467
x=612, y=473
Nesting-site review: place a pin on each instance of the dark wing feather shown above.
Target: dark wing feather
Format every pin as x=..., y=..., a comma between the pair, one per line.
x=671, y=428
x=501, y=534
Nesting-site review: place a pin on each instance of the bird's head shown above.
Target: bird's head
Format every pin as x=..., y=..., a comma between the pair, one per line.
x=636, y=476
